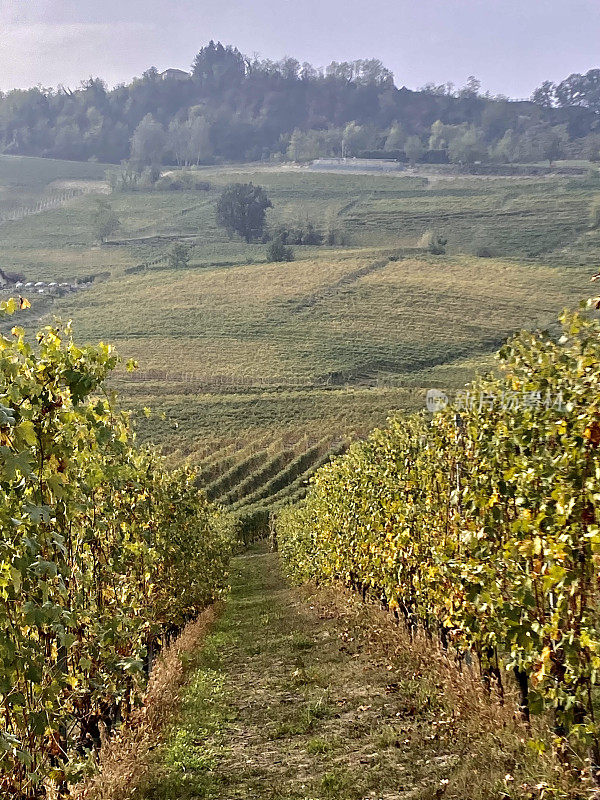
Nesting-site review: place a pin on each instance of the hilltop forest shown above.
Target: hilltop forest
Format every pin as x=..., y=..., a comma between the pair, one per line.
x=234, y=108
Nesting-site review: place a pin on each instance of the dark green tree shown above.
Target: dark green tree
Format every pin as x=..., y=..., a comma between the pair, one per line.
x=104, y=220
x=217, y=66
x=242, y=209
x=437, y=245
x=279, y=251
x=179, y=256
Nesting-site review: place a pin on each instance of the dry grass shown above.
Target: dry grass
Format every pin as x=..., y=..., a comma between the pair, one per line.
x=123, y=759
x=494, y=753
x=307, y=694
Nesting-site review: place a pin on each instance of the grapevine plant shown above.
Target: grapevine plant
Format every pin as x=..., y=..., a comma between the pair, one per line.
x=481, y=524
x=102, y=553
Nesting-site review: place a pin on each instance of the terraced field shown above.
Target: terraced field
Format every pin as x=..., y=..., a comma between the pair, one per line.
x=255, y=477
x=315, y=323
x=257, y=372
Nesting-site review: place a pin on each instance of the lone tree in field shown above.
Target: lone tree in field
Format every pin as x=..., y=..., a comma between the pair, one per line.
x=104, y=220
x=179, y=256
x=279, y=251
x=242, y=209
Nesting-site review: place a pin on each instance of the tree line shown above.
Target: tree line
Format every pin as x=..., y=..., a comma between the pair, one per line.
x=231, y=107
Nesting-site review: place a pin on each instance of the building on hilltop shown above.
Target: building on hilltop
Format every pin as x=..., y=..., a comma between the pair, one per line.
x=175, y=75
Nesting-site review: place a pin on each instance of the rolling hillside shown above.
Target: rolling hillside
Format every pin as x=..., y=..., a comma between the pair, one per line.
x=257, y=372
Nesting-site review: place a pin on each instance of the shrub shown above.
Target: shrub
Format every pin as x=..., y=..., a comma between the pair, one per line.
x=129, y=178
x=433, y=243
x=179, y=256
x=279, y=251
x=299, y=233
x=334, y=235
x=483, y=245
x=483, y=251
x=183, y=180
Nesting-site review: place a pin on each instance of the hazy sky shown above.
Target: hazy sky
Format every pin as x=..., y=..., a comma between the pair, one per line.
x=510, y=45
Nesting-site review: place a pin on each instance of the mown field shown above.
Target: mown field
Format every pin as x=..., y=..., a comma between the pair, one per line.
x=256, y=371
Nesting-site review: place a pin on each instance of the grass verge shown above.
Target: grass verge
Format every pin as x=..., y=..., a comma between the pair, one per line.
x=124, y=757
x=305, y=694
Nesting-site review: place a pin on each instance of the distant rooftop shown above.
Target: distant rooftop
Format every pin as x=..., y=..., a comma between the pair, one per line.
x=176, y=74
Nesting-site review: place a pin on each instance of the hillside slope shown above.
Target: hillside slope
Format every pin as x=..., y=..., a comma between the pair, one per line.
x=263, y=369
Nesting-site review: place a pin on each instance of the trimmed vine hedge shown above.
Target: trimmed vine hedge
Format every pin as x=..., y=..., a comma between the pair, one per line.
x=481, y=524
x=103, y=553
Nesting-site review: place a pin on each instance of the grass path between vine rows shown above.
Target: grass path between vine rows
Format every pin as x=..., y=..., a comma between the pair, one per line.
x=290, y=699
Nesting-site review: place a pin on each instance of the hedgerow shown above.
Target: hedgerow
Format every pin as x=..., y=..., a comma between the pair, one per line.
x=480, y=524
x=103, y=553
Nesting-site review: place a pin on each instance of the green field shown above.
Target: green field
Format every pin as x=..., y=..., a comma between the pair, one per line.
x=257, y=371
x=25, y=181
